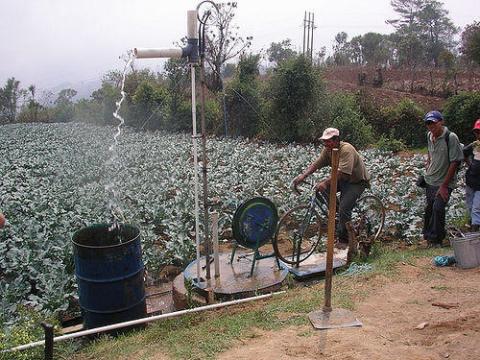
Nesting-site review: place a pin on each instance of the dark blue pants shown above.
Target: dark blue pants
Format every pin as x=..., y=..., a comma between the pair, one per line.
x=349, y=194
x=434, y=217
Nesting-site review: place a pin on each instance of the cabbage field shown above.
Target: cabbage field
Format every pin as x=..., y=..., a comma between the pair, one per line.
x=54, y=179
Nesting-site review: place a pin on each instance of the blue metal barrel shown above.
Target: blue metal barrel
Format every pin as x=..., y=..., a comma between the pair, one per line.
x=110, y=274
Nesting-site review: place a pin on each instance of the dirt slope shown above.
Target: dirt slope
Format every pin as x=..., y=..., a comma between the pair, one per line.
x=390, y=314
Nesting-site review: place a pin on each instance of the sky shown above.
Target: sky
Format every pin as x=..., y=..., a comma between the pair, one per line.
x=50, y=42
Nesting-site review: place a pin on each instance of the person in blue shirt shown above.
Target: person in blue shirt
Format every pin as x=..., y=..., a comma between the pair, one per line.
x=444, y=156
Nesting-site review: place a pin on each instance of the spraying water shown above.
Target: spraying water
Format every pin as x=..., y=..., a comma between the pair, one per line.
x=116, y=211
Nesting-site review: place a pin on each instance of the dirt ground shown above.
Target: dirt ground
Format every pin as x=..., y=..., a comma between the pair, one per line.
x=390, y=314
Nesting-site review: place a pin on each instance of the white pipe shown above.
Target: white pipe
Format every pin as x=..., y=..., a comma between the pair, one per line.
x=141, y=321
x=192, y=24
x=195, y=170
x=215, y=243
x=157, y=53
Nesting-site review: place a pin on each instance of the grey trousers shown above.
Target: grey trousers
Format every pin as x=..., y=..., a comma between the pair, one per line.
x=349, y=194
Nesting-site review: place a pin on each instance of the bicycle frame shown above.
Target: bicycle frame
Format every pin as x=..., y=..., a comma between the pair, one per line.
x=316, y=210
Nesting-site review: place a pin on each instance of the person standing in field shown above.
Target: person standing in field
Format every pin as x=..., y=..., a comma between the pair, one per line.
x=444, y=156
x=353, y=178
x=472, y=178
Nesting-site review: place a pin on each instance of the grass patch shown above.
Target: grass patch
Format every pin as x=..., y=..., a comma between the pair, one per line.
x=205, y=335
x=441, y=287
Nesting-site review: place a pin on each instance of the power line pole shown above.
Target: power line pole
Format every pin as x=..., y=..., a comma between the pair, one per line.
x=308, y=27
x=304, y=30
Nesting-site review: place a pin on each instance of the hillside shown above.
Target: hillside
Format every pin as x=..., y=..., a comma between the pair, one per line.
x=430, y=87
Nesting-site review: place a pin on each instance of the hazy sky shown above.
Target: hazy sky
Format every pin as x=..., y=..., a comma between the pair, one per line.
x=48, y=42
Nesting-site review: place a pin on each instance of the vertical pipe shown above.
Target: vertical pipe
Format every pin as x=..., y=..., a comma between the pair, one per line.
x=215, y=243
x=332, y=207
x=204, y=171
x=48, y=340
x=192, y=24
x=195, y=168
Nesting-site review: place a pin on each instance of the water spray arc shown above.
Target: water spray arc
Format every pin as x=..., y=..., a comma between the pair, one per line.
x=192, y=52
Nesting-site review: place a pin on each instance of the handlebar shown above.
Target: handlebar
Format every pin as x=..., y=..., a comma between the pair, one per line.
x=299, y=191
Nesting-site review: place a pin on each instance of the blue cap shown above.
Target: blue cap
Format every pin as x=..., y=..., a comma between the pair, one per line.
x=434, y=116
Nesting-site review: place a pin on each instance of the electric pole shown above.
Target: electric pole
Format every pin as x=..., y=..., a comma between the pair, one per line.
x=308, y=27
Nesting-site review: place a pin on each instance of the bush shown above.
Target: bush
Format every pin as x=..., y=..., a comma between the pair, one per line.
x=242, y=98
x=213, y=116
x=370, y=111
x=292, y=93
x=387, y=144
x=345, y=115
x=460, y=113
x=404, y=122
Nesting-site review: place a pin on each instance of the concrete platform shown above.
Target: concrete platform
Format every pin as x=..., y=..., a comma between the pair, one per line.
x=234, y=281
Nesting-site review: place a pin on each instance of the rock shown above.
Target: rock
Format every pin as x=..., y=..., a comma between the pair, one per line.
x=422, y=325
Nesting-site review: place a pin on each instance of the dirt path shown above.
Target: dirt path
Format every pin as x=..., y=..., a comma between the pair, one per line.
x=390, y=314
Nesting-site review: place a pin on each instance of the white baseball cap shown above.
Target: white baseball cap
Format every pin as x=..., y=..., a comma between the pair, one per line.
x=329, y=133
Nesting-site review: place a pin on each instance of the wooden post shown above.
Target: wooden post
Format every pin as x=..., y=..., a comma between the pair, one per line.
x=48, y=340
x=215, y=243
x=332, y=208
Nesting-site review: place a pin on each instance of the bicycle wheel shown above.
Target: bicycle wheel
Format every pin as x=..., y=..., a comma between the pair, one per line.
x=368, y=218
x=298, y=234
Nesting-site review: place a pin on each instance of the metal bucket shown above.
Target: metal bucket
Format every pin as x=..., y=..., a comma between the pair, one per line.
x=110, y=274
x=467, y=250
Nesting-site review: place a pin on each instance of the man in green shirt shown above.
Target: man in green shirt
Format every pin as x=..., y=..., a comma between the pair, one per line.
x=353, y=178
x=444, y=156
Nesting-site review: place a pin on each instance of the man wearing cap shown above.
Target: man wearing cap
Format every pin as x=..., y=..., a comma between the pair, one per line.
x=472, y=178
x=444, y=156
x=353, y=178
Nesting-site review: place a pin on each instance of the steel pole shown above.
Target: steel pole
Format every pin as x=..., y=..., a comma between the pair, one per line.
x=204, y=170
x=195, y=169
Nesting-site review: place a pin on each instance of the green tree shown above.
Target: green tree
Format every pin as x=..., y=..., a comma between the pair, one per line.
x=9, y=96
x=377, y=49
x=178, y=89
x=423, y=29
x=341, y=49
x=470, y=43
x=223, y=43
x=149, y=104
x=242, y=98
x=460, y=113
x=64, y=110
x=89, y=111
x=437, y=30
x=407, y=25
x=345, y=115
x=292, y=94
x=356, y=50
x=280, y=51
x=403, y=122
x=31, y=110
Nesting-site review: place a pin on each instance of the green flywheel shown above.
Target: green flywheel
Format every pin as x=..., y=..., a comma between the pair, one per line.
x=254, y=222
